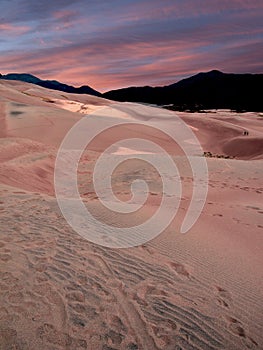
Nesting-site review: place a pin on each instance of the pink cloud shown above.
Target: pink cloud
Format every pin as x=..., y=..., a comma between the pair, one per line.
x=185, y=9
x=129, y=51
x=102, y=75
x=168, y=65
x=64, y=14
x=65, y=19
x=11, y=29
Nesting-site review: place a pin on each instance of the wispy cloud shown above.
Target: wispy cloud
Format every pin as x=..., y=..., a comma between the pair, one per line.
x=10, y=29
x=123, y=42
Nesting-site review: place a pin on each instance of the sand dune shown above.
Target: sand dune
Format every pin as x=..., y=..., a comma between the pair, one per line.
x=201, y=290
x=222, y=132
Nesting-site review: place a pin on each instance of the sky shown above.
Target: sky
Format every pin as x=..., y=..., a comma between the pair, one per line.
x=110, y=44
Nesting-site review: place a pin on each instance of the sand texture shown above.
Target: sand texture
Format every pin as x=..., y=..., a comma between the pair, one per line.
x=195, y=291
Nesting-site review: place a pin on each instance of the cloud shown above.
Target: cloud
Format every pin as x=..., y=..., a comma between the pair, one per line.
x=31, y=10
x=9, y=29
x=123, y=42
x=145, y=65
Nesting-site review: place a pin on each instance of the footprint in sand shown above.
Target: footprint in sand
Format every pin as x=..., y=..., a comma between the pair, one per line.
x=147, y=248
x=236, y=327
x=9, y=339
x=180, y=269
x=223, y=297
x=50, y=335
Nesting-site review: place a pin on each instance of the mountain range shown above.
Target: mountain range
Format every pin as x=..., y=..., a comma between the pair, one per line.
x=50, y=84
x=209, y=90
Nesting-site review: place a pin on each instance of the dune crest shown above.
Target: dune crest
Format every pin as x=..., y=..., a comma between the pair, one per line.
x=202, y=290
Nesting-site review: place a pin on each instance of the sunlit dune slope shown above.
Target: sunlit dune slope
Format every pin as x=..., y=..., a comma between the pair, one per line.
x=195, y=291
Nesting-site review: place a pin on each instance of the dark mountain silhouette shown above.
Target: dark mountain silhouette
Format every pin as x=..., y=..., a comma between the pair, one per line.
x=208, y=90
x=50, y=84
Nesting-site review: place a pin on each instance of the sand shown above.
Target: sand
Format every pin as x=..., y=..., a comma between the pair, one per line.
x=200, y=290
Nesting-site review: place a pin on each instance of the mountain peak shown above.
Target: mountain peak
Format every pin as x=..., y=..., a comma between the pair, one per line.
x=214, y=72
x=207, y=90
x=50, y=84
x=28, y=78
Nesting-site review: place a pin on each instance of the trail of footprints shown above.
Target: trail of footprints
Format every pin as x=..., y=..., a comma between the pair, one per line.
x=73, y=295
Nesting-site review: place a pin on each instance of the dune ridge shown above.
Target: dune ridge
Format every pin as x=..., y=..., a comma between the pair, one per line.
x=202, y=290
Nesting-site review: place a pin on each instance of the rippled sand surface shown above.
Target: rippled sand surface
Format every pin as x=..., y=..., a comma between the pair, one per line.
x=200, y=290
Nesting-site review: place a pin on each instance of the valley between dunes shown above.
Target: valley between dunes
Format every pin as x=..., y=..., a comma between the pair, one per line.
x=199, y=290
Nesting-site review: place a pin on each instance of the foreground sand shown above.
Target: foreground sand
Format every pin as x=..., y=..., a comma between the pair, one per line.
x=202, y=290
